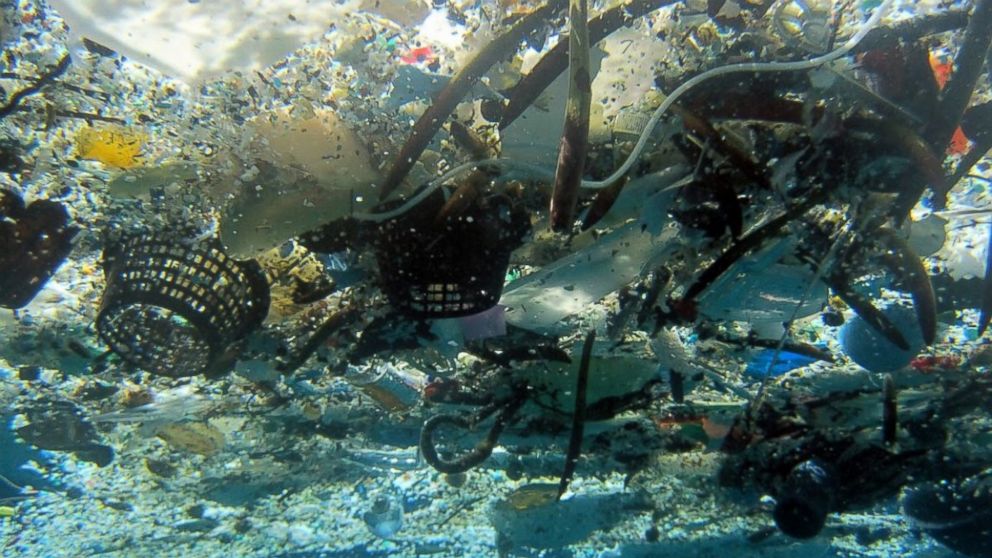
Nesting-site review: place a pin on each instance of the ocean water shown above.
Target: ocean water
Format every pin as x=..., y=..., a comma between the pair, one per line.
x=495, y=278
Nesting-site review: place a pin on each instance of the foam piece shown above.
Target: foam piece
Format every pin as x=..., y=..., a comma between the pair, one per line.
x=194, y=41
x=872, y=351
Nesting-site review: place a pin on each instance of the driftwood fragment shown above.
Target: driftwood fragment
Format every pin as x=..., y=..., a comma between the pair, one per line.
x=575, y=135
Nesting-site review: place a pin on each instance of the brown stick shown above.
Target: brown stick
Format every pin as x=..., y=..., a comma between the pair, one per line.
x=555, y=61
x=575, y=136
x=578, y=416
x=449, y=97
x=955, y=98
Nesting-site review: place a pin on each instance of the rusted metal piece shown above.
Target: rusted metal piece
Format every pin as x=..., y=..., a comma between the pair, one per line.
x=459, y=86
x=578, y=415
x=555, y=61
x=575, y=135
x=907, y=266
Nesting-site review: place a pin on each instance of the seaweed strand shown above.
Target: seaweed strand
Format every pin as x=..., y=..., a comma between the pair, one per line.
x=578, y=416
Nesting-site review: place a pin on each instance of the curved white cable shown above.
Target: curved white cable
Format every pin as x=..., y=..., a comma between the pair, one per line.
x=742, y=67
x=652, y=122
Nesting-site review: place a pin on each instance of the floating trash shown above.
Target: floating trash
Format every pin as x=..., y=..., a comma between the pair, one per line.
x=452, y=267
x=351, y=210
x=192, y=437
x=173, y=306
x=113, y=146
x=385, y=517
x=34, y=241
x=872, y=351
x=956, y=513
x=61, y=425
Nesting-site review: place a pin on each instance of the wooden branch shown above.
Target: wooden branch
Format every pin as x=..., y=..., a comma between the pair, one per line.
x=575, y=135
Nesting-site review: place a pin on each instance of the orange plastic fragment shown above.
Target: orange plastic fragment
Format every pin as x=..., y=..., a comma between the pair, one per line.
x=959, y=143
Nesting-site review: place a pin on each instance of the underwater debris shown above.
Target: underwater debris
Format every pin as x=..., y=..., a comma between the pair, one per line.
x=175, y=405
x=296, y=278
x=505, y=411
x=302, y=168
x=801, y=510
x=660, y=386
x=805, y=23
x=385, y=518
x=555, y=61
x=985, y=316
x=956, y=512
x=34, y=241
x=211, y=40
x=114, y=146
x=863, y=344
x=14, y=101
x=192, y=437
x=454, y=268
x=578, y=415
x=60, y=425
x=175, y=307
x=445, y=102
x=145, y=182
x=575, y=134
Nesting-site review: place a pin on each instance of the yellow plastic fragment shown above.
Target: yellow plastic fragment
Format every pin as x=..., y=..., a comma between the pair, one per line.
x=114, y=146
x=7, y=511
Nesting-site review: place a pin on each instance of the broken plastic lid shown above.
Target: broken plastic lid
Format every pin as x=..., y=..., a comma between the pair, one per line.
x=194, y=41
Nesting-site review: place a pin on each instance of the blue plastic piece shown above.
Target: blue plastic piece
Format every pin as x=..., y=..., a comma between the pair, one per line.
x=872, y=351
x=757, y=367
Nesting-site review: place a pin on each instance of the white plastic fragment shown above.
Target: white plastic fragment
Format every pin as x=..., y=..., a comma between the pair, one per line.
x=194, y=41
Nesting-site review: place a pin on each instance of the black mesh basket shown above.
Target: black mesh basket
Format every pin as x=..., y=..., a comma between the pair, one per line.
x=174, y=307
x=435, y=267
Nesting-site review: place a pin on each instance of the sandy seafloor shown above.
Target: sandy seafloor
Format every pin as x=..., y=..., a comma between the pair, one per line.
x=277, y=489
